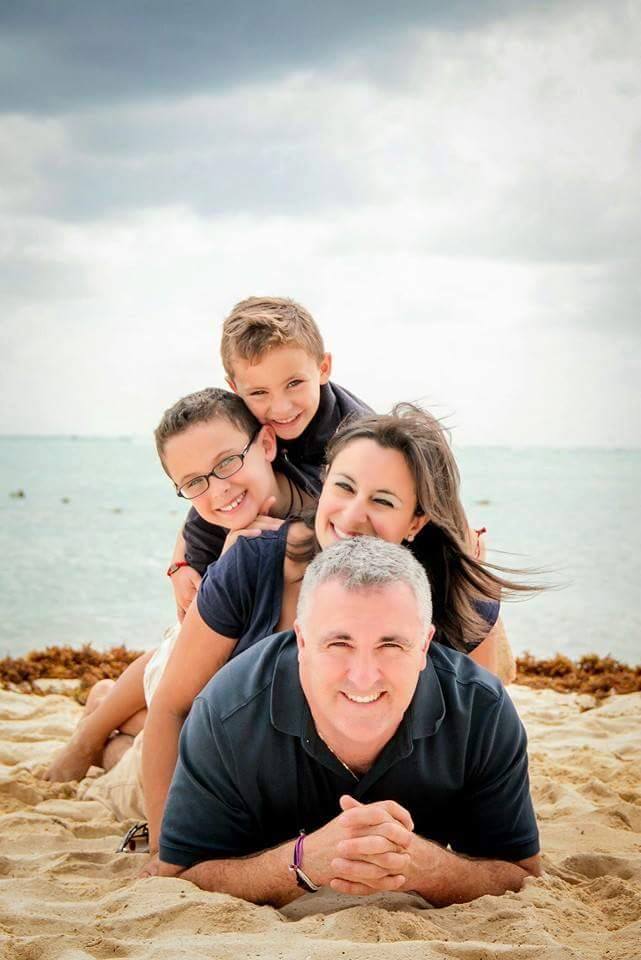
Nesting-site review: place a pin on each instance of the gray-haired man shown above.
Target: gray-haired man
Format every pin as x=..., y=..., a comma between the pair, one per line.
x=344, y=755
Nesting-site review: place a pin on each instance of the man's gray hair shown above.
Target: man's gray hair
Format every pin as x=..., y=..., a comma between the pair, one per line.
x=361, y=562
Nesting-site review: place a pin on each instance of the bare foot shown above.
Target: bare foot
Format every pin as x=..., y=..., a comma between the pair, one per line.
x=73, y=761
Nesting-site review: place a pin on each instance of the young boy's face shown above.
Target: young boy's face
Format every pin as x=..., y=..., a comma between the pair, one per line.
x=283, y=388
x=233, y=503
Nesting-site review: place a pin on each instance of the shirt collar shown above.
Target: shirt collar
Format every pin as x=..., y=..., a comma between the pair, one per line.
x=309, y=447
x=288, y=707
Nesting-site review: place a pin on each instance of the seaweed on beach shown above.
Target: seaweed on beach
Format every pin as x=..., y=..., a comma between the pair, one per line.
x=599, y=676
x=85, y=665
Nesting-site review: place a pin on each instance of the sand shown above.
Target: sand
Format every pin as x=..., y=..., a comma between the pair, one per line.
x=66, y=893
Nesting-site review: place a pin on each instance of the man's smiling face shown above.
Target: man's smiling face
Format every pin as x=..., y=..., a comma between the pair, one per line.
x=360, y=653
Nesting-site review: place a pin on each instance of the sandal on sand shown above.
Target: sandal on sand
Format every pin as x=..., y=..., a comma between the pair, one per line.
x=136, y=840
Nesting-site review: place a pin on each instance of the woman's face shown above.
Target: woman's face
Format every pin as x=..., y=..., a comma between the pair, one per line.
x=369, y=490
x=233, y=503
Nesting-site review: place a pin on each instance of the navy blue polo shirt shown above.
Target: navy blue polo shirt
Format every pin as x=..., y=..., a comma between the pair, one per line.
x=252, y=771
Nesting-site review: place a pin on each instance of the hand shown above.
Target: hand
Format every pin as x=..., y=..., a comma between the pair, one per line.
x=370, y=860
x=362, y=850
x=185, y=582
x=262, y=522
x=151, y=868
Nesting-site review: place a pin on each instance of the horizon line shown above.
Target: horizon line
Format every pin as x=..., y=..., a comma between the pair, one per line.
x=496, y=446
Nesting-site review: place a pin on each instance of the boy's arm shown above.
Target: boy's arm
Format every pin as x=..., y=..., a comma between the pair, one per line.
x=198, y=543
x=185, y=580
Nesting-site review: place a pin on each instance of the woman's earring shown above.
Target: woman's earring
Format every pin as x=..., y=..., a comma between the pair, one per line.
x=410, y=538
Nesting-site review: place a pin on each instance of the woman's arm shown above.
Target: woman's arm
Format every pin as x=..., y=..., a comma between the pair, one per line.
x=198, y=654
x=486, y=654
x=494, y=652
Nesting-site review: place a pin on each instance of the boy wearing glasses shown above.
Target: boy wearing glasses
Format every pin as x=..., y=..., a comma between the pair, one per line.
x=275, y=360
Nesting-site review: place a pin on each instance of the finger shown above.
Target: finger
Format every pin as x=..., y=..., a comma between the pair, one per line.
x=181, y=614
x=360, y=871
x=249, y=532
x=364, y=818
x=370, y=845
x=391, y=830
x=150, y=869
x=367, y=845
x=348, y=802
x=379, y=812
x=353, y=889
x=185, y=597
x=362, y=890
x=389, y=863
x=268, y=523
x=399, y=813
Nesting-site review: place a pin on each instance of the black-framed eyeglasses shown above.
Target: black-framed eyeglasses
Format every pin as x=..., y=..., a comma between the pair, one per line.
x=222, y=471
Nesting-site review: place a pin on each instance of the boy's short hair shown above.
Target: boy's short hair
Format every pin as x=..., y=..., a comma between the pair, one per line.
x=200, y=407
x=258, y=324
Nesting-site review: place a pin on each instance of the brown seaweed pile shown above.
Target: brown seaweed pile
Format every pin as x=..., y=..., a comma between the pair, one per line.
x=599, y=676
x=65, y=663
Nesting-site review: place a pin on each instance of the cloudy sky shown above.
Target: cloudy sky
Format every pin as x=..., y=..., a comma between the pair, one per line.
x=452, y=188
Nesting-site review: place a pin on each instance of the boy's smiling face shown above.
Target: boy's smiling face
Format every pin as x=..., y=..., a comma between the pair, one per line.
x=282, y=388
x=233, y=503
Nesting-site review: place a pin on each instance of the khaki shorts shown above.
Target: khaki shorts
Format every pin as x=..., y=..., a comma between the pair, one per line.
x=156, y=666
x=120, y=789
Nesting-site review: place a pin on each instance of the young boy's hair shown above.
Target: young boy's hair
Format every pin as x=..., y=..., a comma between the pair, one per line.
x=258, y=324
x=200, y=407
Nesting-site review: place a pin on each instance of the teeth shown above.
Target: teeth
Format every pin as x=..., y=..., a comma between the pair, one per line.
x=341, y=534
x=370, y=699
x=234, y=503
x=284, y=423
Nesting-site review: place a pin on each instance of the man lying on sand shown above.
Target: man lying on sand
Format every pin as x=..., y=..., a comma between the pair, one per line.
x=342, y=754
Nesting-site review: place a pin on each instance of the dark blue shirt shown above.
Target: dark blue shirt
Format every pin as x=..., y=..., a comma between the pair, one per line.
x=253, y=772
x=241, y=595
x=300, y=460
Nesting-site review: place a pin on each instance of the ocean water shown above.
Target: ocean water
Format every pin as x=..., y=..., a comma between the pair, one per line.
x=83, y=553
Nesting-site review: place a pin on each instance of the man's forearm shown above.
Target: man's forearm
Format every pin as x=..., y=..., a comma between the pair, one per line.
x=263, y=878
x=443, y=877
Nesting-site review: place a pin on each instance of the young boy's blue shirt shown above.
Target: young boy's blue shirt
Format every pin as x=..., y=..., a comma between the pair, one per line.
x=301, y=460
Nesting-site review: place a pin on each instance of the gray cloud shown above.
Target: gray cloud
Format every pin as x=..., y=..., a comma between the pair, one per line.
x=55, y=56
x=32, y=280
x=467, y=170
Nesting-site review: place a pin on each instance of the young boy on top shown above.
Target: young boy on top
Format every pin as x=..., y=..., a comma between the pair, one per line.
x=275, y=360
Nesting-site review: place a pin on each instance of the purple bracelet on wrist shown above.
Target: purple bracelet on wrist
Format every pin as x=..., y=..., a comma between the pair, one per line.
x=302, y=879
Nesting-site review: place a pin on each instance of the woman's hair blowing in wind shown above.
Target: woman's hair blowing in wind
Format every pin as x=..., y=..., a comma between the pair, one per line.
x=443, y=546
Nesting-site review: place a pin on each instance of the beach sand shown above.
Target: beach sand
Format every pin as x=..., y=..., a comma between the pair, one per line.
x=66, y=893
